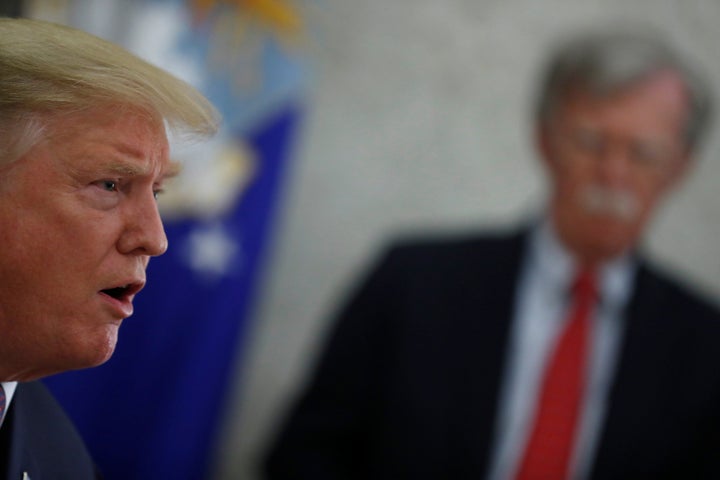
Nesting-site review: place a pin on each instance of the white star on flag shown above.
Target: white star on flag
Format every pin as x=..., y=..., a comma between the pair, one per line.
x=211, y=251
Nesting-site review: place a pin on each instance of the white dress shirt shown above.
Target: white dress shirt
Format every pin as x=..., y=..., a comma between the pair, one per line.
x=540, y=309
x=9, y=388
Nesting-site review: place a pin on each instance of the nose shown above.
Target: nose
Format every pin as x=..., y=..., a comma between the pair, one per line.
x=614, y=165
x=144, y=233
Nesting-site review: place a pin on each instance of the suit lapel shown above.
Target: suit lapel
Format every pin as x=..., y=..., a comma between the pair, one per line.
x=14, y=444
x=486, y=303
x=637, y=391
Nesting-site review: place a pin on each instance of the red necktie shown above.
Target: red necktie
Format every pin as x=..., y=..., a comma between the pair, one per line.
x=550, y=446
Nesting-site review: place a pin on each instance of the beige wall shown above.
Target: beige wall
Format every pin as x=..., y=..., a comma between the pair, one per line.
x=420, y=119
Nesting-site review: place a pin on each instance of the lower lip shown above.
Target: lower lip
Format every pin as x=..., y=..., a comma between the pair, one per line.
x=122, y=308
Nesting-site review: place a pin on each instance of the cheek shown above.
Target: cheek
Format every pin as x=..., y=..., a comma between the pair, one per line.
x=651, y=191
x=567, y=169
x=36, y=248
x=568, y=179
x=73, y=235
x=27, y=250
x=50, y=259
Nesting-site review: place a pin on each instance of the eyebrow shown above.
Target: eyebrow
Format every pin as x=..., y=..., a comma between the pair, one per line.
x=172, y=169
x=130, y=170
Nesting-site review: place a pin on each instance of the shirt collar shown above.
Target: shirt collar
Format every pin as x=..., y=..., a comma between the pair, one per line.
x=556, y=266
x=9, y=388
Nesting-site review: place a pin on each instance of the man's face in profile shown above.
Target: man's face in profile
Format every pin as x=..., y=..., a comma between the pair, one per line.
x=611, y=159
x=78, y=224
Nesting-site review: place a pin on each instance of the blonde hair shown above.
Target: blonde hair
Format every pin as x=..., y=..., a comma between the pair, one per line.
x=48, y=69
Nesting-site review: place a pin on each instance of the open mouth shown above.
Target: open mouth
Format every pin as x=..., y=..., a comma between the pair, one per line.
x=123, y=292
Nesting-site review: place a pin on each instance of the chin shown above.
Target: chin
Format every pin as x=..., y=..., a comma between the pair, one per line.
x=608, y=250
x=611, y=237
x=98, y=349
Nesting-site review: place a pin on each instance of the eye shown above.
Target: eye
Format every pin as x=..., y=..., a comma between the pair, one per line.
x=653, y=155
x=158, y=190
x=108, y=185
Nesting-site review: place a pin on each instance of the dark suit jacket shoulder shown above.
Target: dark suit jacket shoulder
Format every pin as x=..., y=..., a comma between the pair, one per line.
x=663, y=420
x=396, y=393
x=38, y=438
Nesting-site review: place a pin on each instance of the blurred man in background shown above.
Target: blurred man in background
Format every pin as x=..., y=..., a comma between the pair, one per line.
x=84, y=154
x=552, y=352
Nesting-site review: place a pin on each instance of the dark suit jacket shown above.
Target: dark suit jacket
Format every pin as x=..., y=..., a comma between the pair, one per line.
x=407, y=387
x=38, y=438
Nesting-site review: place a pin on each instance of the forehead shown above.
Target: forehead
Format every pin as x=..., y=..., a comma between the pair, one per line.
x=112, y=133
x=661, y=97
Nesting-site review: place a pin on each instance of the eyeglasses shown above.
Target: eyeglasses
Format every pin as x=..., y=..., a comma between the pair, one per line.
x=641, y=153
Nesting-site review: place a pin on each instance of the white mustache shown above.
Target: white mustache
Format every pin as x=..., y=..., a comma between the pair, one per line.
x=617, y=203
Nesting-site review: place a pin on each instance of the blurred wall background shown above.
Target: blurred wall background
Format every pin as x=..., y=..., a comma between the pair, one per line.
x=419, y=118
